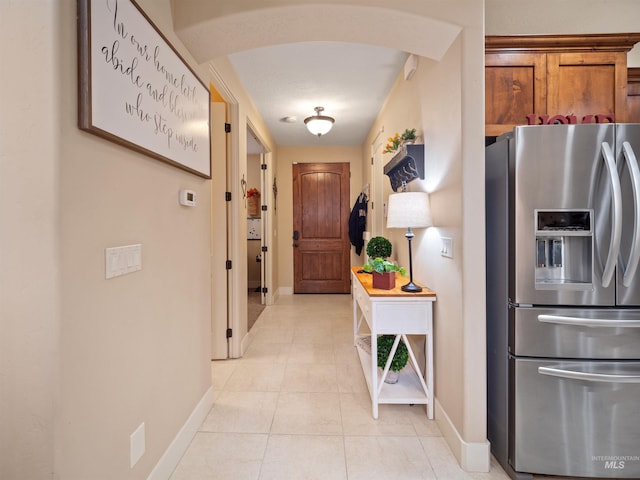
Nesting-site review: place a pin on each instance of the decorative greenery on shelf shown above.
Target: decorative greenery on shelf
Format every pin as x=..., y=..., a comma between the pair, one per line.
x=393, y=143
x=400, y=359
x=409, y=134
x=380, y=265
x=379, y=247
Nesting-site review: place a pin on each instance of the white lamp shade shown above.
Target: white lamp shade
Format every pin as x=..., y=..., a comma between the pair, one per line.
x=409, y=210
x=319, y=125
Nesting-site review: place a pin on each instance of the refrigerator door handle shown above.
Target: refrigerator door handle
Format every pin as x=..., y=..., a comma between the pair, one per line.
x=634, y=257
x=616, y=225
x=592, y=377
x=589, y=322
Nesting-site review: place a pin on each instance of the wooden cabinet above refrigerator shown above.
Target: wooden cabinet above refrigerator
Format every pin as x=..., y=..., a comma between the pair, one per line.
x=555, y=75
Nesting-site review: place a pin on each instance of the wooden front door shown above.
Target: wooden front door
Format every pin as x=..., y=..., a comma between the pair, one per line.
x=321, y=228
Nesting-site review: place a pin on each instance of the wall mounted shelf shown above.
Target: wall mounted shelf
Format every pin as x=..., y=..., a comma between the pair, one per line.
x=405, y=166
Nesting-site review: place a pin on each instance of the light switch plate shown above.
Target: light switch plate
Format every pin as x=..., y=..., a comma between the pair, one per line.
x=122, y=260
x=446, y=247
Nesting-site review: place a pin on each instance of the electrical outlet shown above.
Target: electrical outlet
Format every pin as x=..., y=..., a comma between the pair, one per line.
x=446, y=247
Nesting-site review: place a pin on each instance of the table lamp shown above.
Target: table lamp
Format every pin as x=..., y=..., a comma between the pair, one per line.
x=409, y=210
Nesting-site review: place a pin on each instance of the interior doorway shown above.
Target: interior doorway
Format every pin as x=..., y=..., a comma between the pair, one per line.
x=256, y=217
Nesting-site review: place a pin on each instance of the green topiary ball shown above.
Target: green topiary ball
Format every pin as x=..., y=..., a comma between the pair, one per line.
x=379, y=247
x=400, y=359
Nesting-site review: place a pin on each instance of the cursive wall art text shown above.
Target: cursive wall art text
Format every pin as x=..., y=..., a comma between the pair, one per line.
x=136, y=90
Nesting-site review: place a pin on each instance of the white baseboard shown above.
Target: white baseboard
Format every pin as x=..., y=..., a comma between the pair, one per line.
x=285, y=291
x=246, y=341
x=169, y=461
x=472, y=456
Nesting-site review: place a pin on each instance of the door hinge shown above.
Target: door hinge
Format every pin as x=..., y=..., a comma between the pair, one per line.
x=227, y=128
x=371, y=160
x=227, y=196
x=265, y=248
x=264, y=208
x=263, y=166
x=228, y=264
x=229, y=333
x=265, y=289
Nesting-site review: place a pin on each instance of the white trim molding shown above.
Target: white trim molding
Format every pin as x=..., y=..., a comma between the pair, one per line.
x=171, y=457
x=285, y=291
x=472, y=456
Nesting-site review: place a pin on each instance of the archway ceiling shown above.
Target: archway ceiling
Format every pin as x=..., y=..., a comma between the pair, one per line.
x=293, y=58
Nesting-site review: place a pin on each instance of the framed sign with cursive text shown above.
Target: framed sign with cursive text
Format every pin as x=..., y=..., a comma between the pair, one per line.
x=136, y=90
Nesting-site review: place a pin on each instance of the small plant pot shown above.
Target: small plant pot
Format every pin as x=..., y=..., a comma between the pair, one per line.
x=253, y=206
x=385, y=281
x=392, y=377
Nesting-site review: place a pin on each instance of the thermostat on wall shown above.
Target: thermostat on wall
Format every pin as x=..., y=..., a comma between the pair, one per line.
x=187, y=198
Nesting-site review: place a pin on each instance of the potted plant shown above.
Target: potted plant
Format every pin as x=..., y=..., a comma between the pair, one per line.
x=383, y=272
x=379, y=247
x=409, y=136
x=400, y=359
x=253, y=202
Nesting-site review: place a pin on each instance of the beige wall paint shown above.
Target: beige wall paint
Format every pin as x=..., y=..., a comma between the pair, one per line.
x=135, y=325
x=286, y=157
x=29, y=238
x=134, y=348
x=431, y=102
x=509, y=17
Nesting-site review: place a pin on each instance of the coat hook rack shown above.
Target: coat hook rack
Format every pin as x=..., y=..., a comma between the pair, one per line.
x=405, y=166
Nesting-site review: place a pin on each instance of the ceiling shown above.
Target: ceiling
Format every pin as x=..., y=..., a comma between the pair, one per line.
x=351, y=81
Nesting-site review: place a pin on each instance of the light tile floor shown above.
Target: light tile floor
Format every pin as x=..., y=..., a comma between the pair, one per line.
x=296, y=406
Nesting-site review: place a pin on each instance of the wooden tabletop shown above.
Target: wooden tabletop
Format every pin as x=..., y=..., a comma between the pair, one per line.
x=367, y=282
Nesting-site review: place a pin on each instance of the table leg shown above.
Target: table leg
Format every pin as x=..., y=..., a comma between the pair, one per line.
x=428, y=345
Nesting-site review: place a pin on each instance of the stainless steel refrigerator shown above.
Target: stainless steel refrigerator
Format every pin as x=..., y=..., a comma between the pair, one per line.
x=563, y=300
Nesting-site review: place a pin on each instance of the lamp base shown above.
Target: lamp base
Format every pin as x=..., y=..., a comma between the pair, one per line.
x=411, y=287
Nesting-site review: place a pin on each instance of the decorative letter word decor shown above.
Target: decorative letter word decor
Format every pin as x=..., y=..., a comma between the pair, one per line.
x=136, y=90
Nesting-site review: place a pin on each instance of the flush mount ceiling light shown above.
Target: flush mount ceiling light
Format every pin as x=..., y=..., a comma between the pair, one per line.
x=319, y=124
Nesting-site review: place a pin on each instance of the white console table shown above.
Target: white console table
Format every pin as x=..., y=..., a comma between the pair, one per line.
x=393, y=312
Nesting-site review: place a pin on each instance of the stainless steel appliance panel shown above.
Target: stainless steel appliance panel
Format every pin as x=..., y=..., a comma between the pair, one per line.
x=627, y=154
x=560, y=168
x=583, y=423
x=607, y=334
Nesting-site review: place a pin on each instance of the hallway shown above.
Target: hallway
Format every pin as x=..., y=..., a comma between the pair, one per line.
x=296, y=406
